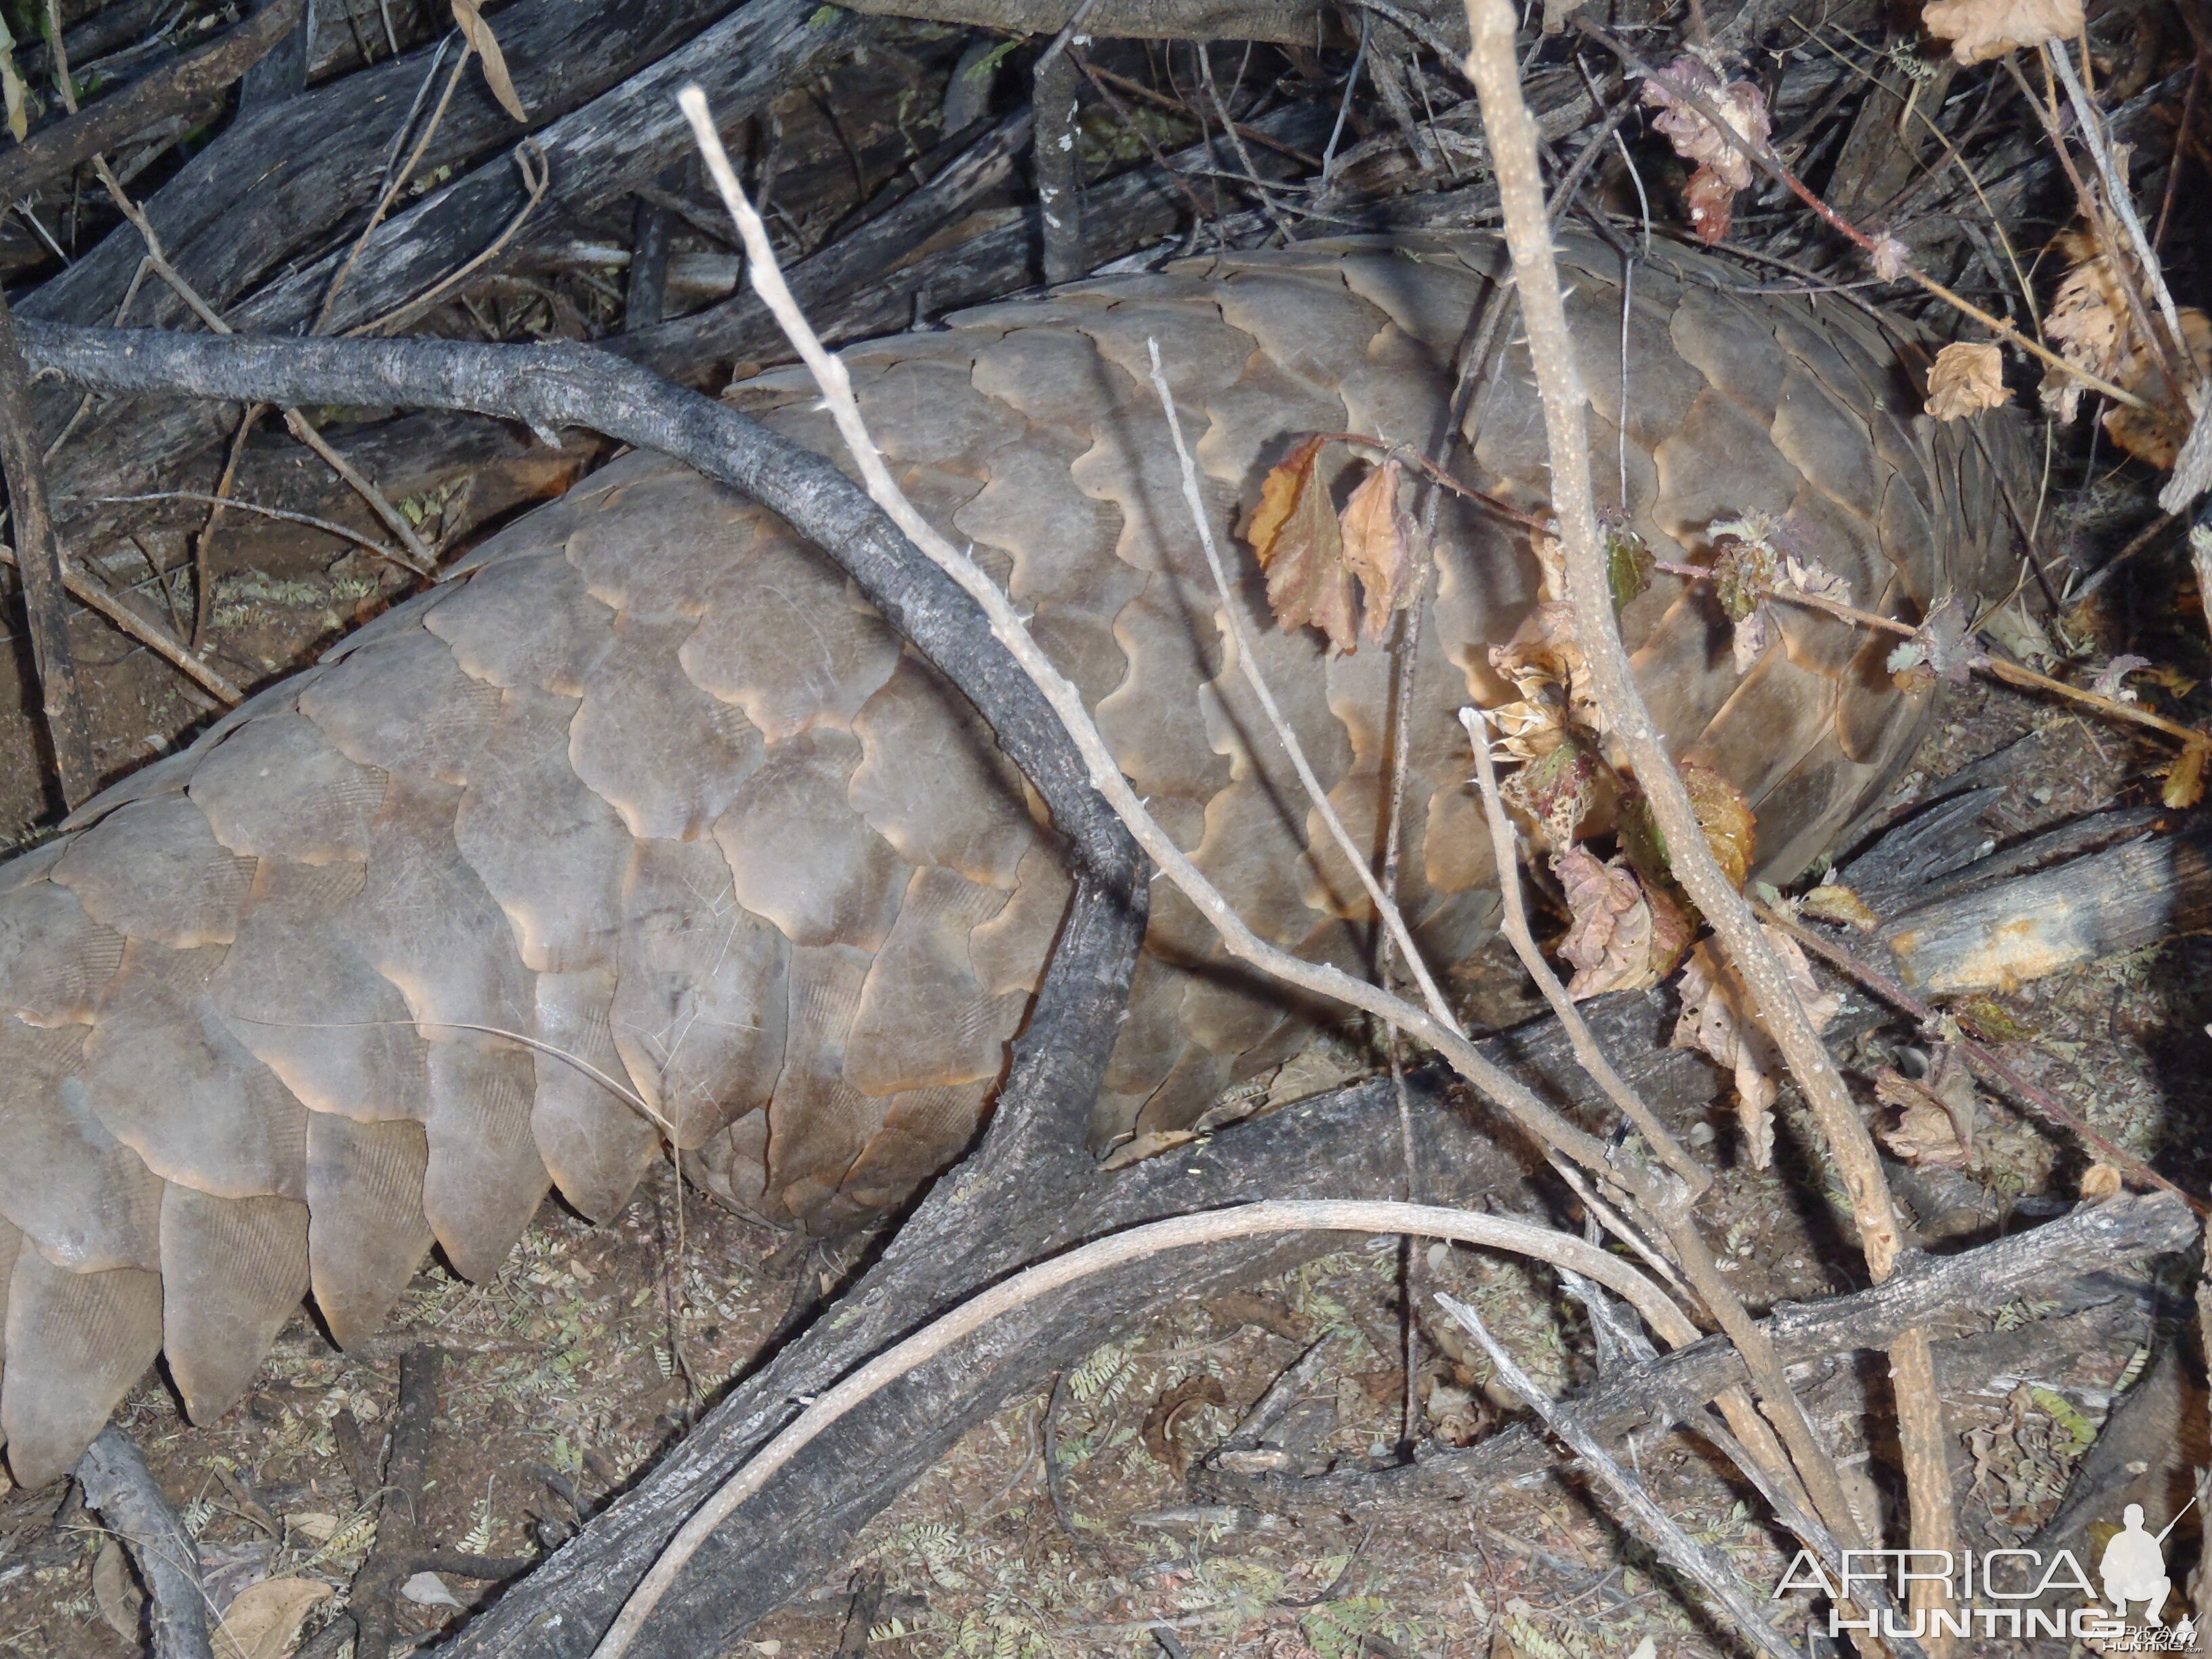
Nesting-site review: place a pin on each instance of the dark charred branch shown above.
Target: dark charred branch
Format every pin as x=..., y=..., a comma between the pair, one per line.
x=118, y=1484
x=52, y=155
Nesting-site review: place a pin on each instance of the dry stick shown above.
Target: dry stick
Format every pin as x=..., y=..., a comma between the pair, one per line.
x=94, y=595
x=1512, y=137
x=328, y=526
x=118, y=1484
x=2011, y=673
x=1512, y=1096
x=1764, y=156
x=55, y=153
x=1671, y=1210
x=1592, y=1058
x=1137, y=1245
x=1992, y=1065
x=1248, y=663
x=419, y=557
x=40, y=567
x=536, y=179
x=1635, y=1505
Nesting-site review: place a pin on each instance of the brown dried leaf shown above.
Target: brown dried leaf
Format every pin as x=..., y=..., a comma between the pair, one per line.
x=1610, y=940
x=1740, y=104
x=1558, y=788
x=1730, y=826
x=1160, y=1435
x=1979, y=30
x=1301, y=549
x=1719, y=1020
x=1379, y=538
x=264, y=1620
x=1968, y=377
x=117, y=1601
x=1891, y=257
x=2100, y=1181
x=2092, y=324
x=2185, y=778
x=1935, y=1118
x=1833, y=902
x=481, y=41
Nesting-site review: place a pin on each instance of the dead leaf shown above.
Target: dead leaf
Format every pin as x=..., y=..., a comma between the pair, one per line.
x=1301, y=548
x=1236, y=1308
x=1891, y=257
x=1979, y=30
x=2185, y=778
x=1719, y=1020
x=1730, y=826
x=1935, y=1116
x=1968, y=377
x=1150, y=1144
x=1609, y=942
x=1379, y=539
x=1939, y=650
x=481, y=41
x=1833, y=902
x=2092, y=324
x=1159, y=1435
x=2099, y=1182
x=2110, y=677
x=427, y=1590
x=263, y=1620
x=13, y=87
x=117, y=1599
x=1741, y=104
x=1559, y=789
x=1628, y=564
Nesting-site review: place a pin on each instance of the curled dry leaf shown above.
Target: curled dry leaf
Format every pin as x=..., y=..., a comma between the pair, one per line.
x=1379, y=538
x=1935, y=1117
x=1623, y=938
x=2100, y=1181
x=1833, y=902
x=1301, y=548
x=1720, y=1019
x=1942, y=649
x=263, y=1620
x=1968, y=377
x=117, y=1601
x=1724, y=166
x=2185, y=778
x=1544, y=659
x=485, y=44
x=1891, y=257
x=2092, y=324
x=1730, y=826
x=1752, y=564
x=1982, y=29
x=1159, y=1431
x=1741, y=104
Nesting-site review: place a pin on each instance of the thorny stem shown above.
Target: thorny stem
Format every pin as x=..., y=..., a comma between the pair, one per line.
x=1764, y=156
x=1512, y=137
x=2011, y=673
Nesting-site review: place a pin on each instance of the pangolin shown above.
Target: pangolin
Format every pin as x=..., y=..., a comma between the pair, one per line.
x=643, y=792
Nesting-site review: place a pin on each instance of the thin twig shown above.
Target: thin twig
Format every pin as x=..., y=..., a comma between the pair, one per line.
x=1512, y=137
x=96, y=595
x=67, y=728
x=1637, y=1506
x=1120, y=1250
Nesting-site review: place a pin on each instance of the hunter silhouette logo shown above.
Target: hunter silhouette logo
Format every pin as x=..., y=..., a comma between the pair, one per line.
x=2134, y=1567
x=2020, y=1593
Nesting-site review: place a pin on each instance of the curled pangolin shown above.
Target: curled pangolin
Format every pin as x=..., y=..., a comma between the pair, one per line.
x=644, y=782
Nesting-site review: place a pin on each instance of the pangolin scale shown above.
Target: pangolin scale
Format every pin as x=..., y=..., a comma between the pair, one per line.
x=646, y=784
